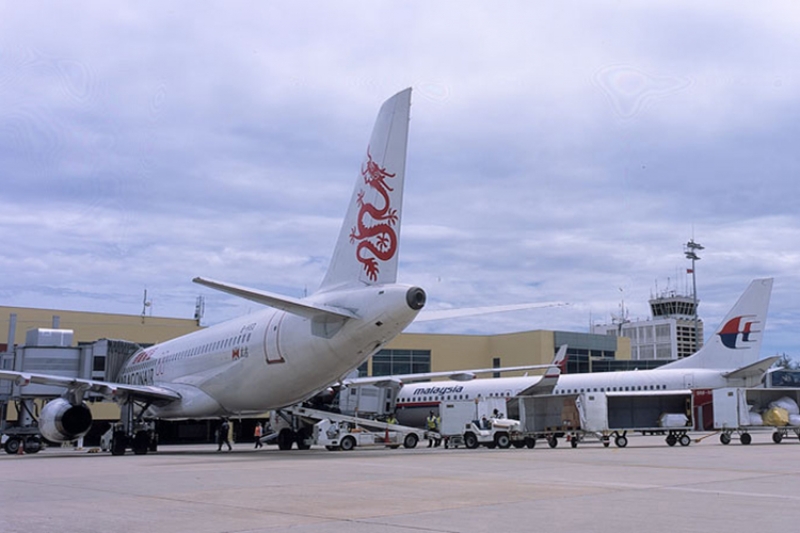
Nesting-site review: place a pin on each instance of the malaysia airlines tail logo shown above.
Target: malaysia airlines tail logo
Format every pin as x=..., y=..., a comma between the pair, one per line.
x=375, y=224
x=737, y=331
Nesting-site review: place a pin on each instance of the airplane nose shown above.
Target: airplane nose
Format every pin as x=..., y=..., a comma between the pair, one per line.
x=415, y=297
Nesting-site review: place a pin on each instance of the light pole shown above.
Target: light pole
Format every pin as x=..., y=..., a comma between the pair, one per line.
x=691, y=253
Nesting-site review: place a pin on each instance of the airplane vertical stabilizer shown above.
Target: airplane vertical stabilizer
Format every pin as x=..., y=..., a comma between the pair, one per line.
x=737, y=341
x=367, y=248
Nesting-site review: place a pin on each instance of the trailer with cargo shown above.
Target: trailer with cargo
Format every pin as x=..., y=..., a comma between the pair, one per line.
x=550, y=417
x=745, y=411
x=608, y=416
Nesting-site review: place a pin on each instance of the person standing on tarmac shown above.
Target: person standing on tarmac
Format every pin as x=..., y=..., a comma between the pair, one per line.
x=432, y=424
x=258, y=433
x=224, y=435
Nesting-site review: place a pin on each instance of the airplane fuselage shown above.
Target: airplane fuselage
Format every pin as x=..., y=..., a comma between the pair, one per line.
x=271, y=358
x=415, y=400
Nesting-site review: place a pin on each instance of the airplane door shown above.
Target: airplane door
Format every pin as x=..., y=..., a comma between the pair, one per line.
x=703, y=402
x=272, y=345
x=688, y=381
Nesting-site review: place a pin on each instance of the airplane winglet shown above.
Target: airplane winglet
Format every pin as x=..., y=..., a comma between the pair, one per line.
x=284, y=303
x=548, y=383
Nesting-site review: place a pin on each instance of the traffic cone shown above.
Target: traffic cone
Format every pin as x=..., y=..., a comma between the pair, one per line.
x=21, y=449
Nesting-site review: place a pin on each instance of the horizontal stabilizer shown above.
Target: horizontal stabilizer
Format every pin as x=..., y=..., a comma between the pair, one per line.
x=756, y=370
x=442, y=314
x=294, y=306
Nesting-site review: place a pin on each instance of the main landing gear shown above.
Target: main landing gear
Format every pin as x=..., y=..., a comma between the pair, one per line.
x=133, y=431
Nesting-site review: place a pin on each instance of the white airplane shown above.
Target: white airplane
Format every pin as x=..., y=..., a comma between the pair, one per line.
x=730, y=359
x=277, y=356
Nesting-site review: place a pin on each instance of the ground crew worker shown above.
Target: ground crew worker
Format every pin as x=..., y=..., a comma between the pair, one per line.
x=258, y=433
x=224, y=434
x=392, y=419
x=433, y=426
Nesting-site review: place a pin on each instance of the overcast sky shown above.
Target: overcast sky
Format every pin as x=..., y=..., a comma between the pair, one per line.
x=557, y=152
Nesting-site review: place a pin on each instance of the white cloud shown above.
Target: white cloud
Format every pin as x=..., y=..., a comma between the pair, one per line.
x=557, y=152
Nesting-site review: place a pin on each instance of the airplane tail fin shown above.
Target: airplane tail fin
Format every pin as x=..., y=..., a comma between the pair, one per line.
x=737, y=341
x=367, y=248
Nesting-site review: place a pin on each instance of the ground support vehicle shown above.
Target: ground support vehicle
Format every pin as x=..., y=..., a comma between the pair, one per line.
x=304, y=427
x=24, y=435
x=481, y=422
x=744, y=411
x=614, y=414
x=608, y=416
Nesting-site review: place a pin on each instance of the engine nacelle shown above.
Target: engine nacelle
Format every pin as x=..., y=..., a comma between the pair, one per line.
x=60, y=421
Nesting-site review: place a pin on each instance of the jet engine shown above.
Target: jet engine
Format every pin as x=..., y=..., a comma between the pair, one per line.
x=60, y=421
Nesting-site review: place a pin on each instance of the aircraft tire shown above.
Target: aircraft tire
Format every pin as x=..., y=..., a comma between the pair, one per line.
x=300, y=438
x=745, y=438
x=285, y=439
x=410, y=441
x=347, y=443
x=141, y=443
x=119, y=442
x=725, y=439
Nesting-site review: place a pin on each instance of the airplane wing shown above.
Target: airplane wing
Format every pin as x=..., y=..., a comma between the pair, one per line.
x=754, y=370
x=295, y=306
x=455, y=375
x=109, y=389
x=440, y=314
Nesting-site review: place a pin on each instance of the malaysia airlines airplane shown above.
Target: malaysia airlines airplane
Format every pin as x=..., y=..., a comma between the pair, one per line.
x=730, y=359
x=280, y=355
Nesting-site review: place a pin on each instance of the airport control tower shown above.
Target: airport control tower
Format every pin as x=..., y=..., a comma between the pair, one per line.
x=669, y=334
x=681, y=309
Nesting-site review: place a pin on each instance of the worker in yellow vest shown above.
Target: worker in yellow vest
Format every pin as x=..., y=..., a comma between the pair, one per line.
x=432, y=424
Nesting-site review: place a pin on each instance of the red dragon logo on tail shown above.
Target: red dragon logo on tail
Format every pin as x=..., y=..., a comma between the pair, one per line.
x=377, y=241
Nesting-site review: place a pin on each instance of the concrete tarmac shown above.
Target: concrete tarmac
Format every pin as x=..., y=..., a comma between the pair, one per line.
x=646, y=487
